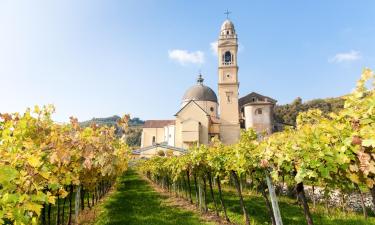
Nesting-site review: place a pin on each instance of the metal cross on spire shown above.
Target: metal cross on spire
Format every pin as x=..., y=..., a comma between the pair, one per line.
x=200, y=78
x=227, y=13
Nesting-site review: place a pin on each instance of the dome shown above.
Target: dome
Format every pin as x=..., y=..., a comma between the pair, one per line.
x=227, y=25
x=227, y=29
x=199, y=92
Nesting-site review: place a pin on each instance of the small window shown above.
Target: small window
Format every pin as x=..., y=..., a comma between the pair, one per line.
x=229, y=97
x=253, y=99
x=227, y=32
x=153, y=139
x=212, y=109
x=258, y=111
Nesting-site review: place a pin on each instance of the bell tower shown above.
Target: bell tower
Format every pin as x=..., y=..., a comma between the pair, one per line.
x=228, y=84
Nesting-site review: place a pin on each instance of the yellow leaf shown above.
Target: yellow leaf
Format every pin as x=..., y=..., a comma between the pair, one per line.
x=34, y=221
x=34, y=161
x=51, y=198
x=36, y=109
x=354, y=177
x=33, y=207
x=63, y=193
x=44, y=174
x=370, y=182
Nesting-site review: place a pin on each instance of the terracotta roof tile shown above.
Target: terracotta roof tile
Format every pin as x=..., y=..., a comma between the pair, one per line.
x=158, y=123
x=249, y=99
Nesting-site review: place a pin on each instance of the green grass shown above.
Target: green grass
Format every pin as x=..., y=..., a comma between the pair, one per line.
x=135, y=202
x=292, y=213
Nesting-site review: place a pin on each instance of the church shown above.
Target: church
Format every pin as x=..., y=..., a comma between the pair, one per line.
x=203, y=114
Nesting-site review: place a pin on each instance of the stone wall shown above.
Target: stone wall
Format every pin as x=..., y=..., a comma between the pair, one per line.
x=352, y=201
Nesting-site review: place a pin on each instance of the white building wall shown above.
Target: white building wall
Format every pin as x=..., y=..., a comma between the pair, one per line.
x=259, y=122
x=142, y=140
x=169, y=134
x=166, y=133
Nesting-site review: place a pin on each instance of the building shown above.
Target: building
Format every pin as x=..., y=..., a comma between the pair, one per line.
x=202, y=115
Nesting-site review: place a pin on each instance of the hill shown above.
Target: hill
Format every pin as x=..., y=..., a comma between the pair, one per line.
x=287, y=113
x=133, y=133
x=112, y=121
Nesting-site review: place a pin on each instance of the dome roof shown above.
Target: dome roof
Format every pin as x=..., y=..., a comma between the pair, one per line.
x=199, y=92
x=227, y=25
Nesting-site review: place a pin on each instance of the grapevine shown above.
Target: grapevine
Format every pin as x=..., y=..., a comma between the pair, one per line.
x=43, y=162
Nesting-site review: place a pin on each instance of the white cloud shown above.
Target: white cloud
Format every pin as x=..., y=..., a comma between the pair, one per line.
x=213, y=46
x=346, y=57
x=184, y=57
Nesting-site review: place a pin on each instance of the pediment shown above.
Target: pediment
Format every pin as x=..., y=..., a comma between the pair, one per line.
x=188, y=106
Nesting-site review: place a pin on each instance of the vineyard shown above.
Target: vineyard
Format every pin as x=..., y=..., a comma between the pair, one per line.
x=335, y=152
x=50, y=171
x=49, y=168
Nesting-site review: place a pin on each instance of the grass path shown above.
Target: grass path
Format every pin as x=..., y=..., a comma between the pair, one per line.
x=135, y=202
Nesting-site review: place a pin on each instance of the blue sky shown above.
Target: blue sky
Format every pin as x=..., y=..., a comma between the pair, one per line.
x=101, y=58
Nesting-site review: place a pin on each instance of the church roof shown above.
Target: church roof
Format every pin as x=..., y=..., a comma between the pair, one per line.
x=199, y=92
x=158, y=123
x=254, y=97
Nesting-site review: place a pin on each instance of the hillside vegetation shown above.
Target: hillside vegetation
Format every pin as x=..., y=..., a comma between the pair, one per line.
x=287, y=113
x=132, y=134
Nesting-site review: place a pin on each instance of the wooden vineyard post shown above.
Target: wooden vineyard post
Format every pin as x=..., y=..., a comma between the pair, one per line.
x=77, y=203
x=275, y=205
x=200, y=196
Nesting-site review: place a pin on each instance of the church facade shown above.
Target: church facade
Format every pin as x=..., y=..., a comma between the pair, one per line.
x=204, y=115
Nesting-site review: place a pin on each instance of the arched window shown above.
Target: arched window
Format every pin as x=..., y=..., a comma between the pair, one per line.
x=153, y=139
x=227, y=57
x=258, y=111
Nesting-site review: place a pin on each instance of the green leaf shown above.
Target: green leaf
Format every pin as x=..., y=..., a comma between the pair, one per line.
x=7, y=174
x=324, y=172
x=367, y=121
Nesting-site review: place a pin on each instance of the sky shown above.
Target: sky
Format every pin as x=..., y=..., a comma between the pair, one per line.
x=98, y=58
